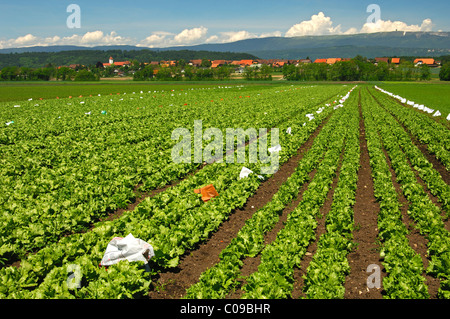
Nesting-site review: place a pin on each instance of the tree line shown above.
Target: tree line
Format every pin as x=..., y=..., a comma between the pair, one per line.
x=357, y=69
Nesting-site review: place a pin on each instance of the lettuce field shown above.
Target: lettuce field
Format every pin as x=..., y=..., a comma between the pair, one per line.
x=358, y=208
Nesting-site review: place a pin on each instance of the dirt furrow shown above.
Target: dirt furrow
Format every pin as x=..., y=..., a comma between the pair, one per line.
x=366, y=211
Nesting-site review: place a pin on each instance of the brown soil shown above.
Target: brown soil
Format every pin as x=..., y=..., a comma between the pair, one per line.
x=366, y=211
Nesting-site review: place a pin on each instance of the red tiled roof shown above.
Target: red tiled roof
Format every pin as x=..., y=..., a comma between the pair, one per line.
x=320, y=61
x=333, y=60
x=246, y=62
x=117, y=63
x=424, y=61
x=382, y=59
x=395, y=60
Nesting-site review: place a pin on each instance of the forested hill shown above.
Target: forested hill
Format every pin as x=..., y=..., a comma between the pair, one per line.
x=91, y=57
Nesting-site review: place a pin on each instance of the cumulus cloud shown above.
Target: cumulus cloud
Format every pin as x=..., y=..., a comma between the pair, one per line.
x=318, y=25
x=185, y=37
x=271, y=34
x=387, y=26
x=25, y=40
x=156, y=39
x=191, y=35
x=233, y=36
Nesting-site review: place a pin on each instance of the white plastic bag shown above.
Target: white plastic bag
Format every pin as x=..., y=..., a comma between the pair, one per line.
x=128, y=248
x=437, y=113
x=245, y=172
x=276, y=148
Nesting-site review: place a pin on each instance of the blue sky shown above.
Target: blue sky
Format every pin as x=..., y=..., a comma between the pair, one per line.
x=157, y=24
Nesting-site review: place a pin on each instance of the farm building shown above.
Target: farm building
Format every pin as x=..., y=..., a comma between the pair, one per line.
x=429, y=62
x=377, y=60
x=328, y=61
x=217, y=63
x=111, y=62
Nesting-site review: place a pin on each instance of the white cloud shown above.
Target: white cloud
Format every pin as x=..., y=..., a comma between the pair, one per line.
x=25, y=40
x=191, y=35
x=318, y=25
x=387, y=26
x=233, y=36
x=88, y=39
x=165, y=39
x=213, y=38
x=156, y=39
x=271, y=34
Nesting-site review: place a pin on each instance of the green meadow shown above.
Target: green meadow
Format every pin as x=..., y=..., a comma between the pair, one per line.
x=435, y=95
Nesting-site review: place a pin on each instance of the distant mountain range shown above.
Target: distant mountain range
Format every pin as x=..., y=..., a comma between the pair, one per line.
x=370, y=45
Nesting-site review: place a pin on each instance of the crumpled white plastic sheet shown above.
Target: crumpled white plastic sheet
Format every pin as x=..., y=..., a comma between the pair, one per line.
x=128, y=248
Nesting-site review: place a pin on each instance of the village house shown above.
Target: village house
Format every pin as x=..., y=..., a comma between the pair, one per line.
x=429, y=62
x=196, y=63
x=328, y=61
x=166, y=64
x=217, y=63
x=117, y=64
x=333, y=60
x=320, y=61
x=378, y=60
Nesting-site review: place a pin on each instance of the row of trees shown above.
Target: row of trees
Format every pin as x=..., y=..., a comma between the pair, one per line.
x=14, y=73
x=183, y=71
x=357, y=69
x=190, y=73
